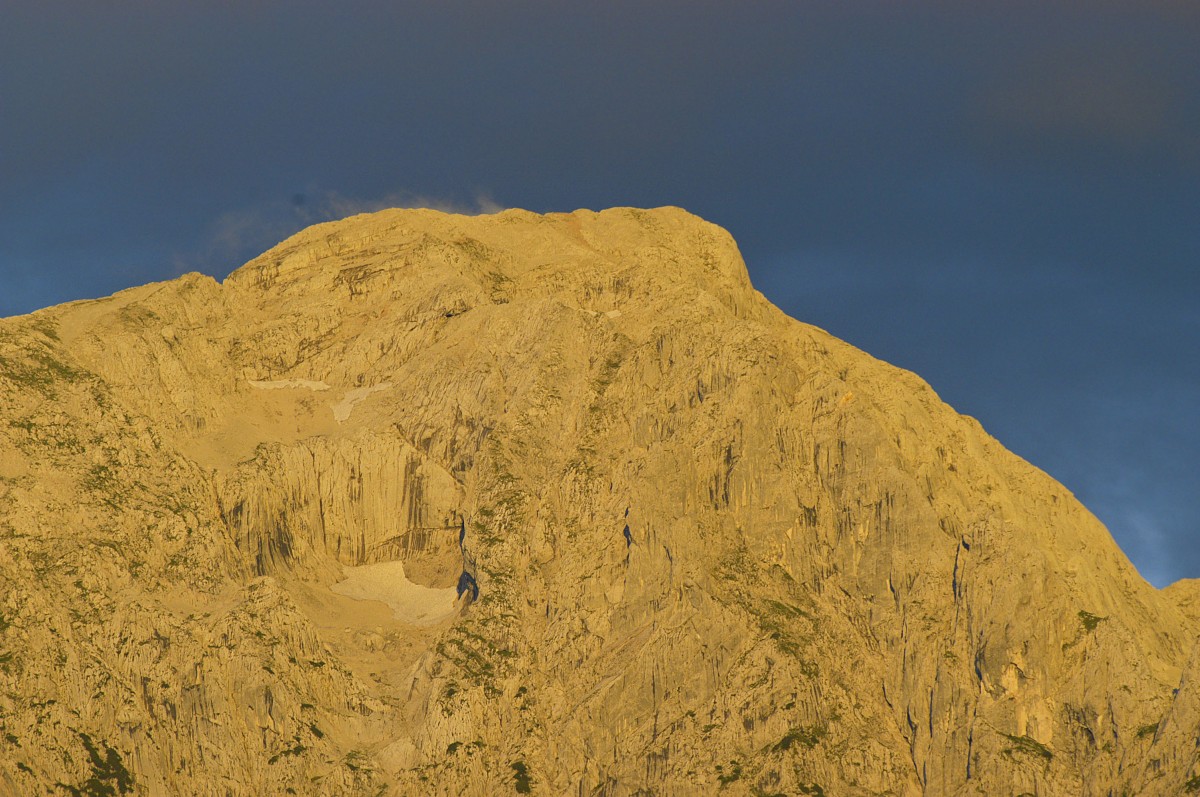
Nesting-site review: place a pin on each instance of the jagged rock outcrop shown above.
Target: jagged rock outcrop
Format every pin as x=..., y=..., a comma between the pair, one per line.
x=681, y=543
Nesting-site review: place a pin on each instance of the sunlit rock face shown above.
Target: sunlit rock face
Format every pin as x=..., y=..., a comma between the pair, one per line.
x=427, y=504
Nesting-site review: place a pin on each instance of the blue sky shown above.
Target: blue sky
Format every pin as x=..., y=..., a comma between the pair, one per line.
x=1000, y=196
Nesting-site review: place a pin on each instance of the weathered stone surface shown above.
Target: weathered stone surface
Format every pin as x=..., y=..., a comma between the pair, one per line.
x=698, y=546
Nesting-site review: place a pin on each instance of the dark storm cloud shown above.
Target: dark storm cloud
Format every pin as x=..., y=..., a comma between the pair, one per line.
x=1001, y=196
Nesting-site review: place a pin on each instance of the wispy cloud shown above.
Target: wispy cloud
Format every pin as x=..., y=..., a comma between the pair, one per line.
x=331, y=205
x=236, y=236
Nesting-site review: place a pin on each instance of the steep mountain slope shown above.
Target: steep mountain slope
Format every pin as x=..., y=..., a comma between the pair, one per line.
x=428, y=504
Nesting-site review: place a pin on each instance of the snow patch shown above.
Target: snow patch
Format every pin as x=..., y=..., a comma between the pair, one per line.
x=386, y=582
x=286, y=384
x=342, y=410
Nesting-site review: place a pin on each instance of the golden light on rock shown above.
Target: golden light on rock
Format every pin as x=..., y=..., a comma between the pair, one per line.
x=416, y=503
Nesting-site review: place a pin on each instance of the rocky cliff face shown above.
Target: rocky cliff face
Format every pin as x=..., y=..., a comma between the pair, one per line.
x=426, y=504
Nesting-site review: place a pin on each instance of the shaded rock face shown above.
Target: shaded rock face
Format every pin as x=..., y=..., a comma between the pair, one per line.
x=697, y=546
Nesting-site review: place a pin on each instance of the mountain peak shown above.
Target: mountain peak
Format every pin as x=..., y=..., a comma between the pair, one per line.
x=424, y=503
x=512, y=244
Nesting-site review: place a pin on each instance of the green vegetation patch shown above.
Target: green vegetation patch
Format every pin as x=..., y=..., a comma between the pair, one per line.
x=1089, y=621
x=522, y=780
x=608, y=371
x=109, y=775
x=291, y=751
x=1147, y=730
x=478, y=658
x=808, y=735
x=356, y=761
x=1029, y=745
x=100, y=479
x=47, y=327
x=40, y=371
x=729, y=776
x=786, y=624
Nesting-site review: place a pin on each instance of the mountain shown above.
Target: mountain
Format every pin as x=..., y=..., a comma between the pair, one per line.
x=416, y=503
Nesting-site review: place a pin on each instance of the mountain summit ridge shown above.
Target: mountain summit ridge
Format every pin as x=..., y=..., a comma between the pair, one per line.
x=422, y=503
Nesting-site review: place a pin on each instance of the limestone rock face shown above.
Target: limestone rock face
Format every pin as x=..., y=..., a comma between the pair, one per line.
x=427, y=504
